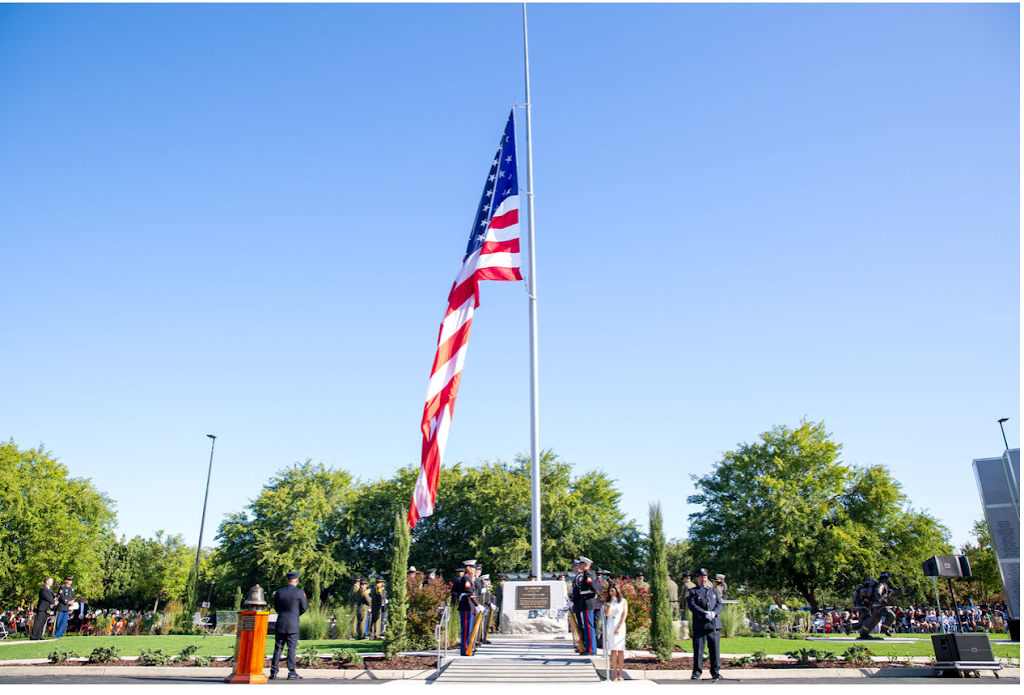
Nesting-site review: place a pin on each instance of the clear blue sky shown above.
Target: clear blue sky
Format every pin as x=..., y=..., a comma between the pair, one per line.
x=244, y=220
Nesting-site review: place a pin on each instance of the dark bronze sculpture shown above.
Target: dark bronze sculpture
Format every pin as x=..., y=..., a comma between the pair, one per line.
x=880, y=598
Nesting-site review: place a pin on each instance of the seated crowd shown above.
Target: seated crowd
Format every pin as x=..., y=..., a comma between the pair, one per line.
x=917, y=619
x=108, y=621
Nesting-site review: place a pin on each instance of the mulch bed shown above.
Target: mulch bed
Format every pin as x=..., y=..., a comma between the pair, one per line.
x=650, y=663
x=370, y=663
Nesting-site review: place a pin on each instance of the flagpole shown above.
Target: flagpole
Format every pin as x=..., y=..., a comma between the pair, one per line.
x=532, y=293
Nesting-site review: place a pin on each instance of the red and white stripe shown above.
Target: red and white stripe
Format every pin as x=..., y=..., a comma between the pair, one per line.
x=497, y=259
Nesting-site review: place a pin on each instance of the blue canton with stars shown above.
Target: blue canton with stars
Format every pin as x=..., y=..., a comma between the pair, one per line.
x=502, y=181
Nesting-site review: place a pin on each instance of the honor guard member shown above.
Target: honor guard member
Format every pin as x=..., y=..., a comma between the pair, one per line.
x=487, y=602
x=673, y=598
x=289, y=602
x=721, y=586
x=65, y=597
x=464, y=593
x=706, y=606
x=378, y=599
x=586, y=589
x=641, y=584
x=481, y=599
x=687, y=583
x=451, y=587
x=43, y=608
x=363, y=605
x=431, y=575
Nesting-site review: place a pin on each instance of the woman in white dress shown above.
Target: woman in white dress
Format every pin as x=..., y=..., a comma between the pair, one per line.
x=615, y=611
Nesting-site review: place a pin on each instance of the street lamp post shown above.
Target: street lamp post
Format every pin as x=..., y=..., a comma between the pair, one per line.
x=1001, y=421
x=199, y=549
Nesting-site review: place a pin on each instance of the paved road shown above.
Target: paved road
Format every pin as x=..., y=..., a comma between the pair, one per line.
x=867, y=682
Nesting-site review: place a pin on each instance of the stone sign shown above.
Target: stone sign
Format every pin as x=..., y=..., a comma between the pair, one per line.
x=534, y=607
x=533, y=598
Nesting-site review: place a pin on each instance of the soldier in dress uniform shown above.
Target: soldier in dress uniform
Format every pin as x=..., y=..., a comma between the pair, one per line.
x=464, y=592
x=640, y=583
x=451, y=587
x=65, y=597
x=673, y=598
x=289, y=602
x=687, y=583
x=431, y=575
x=43, y=608
x=721, y=586
x=378, y=600
x=486, y=600
x=706, y=606
x=585, y=592
x=363, y=605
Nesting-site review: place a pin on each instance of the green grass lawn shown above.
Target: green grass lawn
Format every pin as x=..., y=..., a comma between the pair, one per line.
x=919, y=647
x=220, y=645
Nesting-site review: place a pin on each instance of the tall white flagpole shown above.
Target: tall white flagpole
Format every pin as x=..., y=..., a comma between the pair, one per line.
x=531, y=289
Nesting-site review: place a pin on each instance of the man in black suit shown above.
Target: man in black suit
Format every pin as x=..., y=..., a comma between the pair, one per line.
x=289, y=602
x=46, y=601
x=706, y=606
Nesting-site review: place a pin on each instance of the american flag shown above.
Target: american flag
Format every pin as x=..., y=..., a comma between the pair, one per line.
x=492, y=254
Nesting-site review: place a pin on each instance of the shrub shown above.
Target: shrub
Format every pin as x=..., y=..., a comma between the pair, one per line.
x=732, y=620
x=58, y=655
x=187, y=651
x=824, y=655
x=104, y=655
x=396, y=637
x=181, y=624
x=638, y=619
x=739, y=661
x=202, y=660
x=309, y=656
x=313, y=624
x=760, y=656
x=103, y=622
x=426, y=604
x=803, y=656
x=348, y=656
x=857, y=654
x=154, y=657
x=344, y=622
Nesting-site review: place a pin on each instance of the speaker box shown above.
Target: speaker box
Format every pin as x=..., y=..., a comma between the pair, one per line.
x=959, y=646
x=943, y=566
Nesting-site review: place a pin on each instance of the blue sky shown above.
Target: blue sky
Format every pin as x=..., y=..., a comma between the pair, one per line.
x=244, y=220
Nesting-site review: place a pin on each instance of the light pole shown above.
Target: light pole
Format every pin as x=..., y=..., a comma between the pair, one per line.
x=199, y=549
x=1001, y=421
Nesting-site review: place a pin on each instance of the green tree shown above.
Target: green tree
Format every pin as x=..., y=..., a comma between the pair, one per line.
x=299, y=522
x=51, y=524
x=395, y=638
x=984, y=584
x=785, y=515
x=677, y=557
x=164, y=563
x=662, y=637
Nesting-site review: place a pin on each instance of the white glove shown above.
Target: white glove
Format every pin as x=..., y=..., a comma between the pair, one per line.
x=478, y=609
x=709, y=615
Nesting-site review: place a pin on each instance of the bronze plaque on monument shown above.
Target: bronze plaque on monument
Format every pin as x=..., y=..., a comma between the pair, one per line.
x=248, y=623
x=533, y=598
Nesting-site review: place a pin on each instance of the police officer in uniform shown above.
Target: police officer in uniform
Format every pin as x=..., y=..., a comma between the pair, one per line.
x=464, y=592
x=706, y=606
x=65, y=597
x=721, y=586
x=43, y=608
x=289, y=602
x=687, y=583
x=586, y=602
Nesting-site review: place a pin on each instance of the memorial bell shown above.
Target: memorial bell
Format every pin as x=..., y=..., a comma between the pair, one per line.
x=255, y=599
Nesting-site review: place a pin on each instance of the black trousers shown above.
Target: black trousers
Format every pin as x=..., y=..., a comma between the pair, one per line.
x=39, y=624
x=292, y=640
x=711, y=639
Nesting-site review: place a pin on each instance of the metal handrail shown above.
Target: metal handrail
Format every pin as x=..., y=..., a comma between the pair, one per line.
x=442, y=649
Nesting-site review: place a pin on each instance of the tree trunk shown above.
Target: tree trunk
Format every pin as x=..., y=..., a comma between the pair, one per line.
x=155, y=604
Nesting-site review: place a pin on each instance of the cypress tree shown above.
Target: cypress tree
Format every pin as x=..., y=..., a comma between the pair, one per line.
x=314, y=600
x=395, y=637
x=238, y=598
x=661, y=616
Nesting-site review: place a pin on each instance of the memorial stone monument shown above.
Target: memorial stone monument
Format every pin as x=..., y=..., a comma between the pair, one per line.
x=534, y=608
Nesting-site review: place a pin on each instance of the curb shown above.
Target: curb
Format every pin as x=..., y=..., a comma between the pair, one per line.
x=764, y=674
x=198, y=672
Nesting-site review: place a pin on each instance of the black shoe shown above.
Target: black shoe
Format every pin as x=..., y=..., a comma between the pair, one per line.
x=695, y=677
x=273, y=675
x=293, y=676
x=715, y=679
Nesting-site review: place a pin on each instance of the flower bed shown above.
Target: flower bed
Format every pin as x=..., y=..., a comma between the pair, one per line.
x=650, y=663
